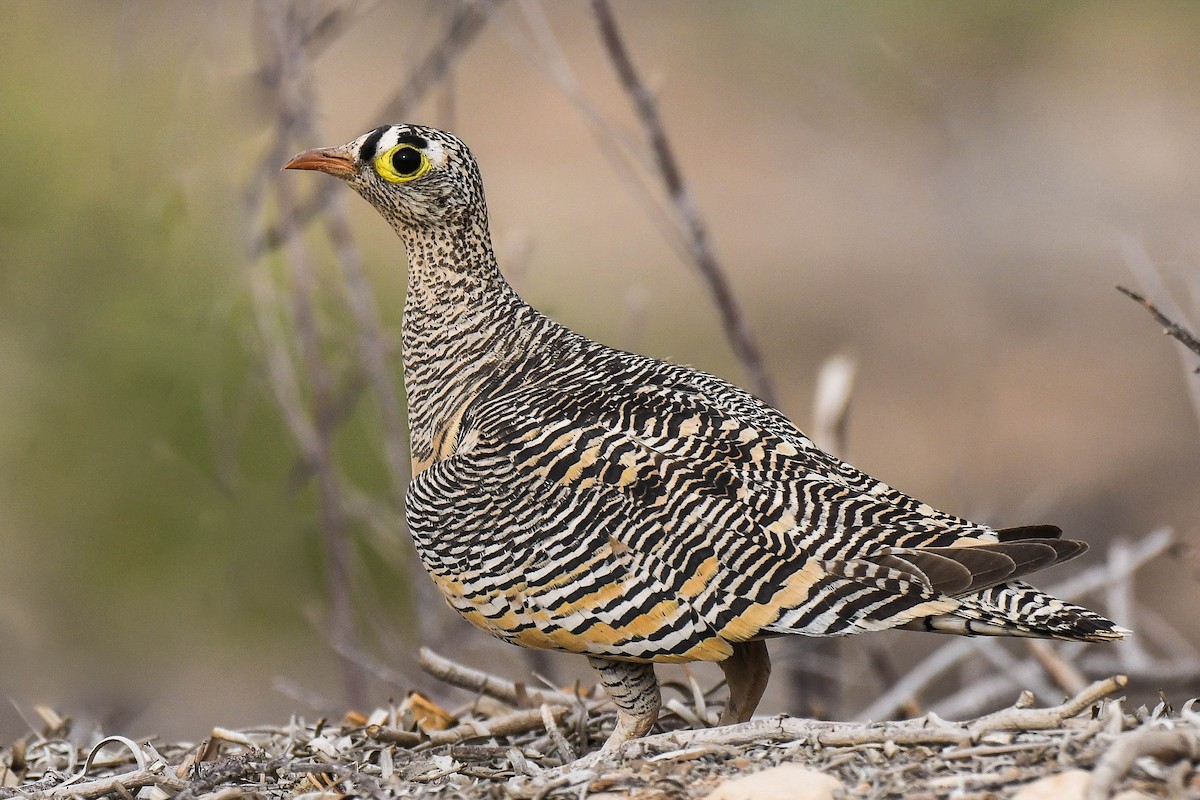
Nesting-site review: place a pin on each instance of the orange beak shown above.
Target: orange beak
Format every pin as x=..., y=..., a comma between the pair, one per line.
x=324, y=159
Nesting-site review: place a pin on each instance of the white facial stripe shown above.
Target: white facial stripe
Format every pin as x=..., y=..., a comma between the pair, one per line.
x=382, y=145
x=390, y=138
x=436, y=153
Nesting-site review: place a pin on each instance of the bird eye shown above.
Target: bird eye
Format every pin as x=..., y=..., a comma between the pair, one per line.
x=401, y=164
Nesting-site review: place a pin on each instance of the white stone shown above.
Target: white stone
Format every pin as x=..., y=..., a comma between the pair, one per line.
x=785, y=782
x=1069, y=785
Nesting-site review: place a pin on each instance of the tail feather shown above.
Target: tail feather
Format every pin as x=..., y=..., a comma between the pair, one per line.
x=1029, y=532
x=970, y=570
x=1018, y=609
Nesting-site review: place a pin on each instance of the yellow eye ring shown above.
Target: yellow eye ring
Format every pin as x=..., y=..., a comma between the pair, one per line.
x=401, y=164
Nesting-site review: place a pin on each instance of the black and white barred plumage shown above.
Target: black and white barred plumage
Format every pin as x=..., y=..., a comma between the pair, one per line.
x=571, y=496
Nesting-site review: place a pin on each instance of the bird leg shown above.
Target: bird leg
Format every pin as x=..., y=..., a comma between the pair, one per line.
x=633, y=688
x=746, y=675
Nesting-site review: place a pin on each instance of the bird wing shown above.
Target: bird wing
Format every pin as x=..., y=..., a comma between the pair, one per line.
x=662, y=514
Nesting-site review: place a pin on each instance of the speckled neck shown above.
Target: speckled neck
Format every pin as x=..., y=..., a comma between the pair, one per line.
x=461, y=319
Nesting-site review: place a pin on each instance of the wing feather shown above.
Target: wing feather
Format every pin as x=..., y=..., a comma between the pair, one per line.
x=692, y=516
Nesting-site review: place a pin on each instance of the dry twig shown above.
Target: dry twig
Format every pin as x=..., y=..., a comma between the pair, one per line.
x=1154, y=283
x=831, y=404
x=1164, y=745
x=475, y=680
x=1170, y=327
x=924, y=757
x=288, y=74
x=465, y=25
x=503, y=725
x=1065, y=674
x=928, y=730
x=124, y=784
x=1037, y=719
x=680, y=197
x=565, y=751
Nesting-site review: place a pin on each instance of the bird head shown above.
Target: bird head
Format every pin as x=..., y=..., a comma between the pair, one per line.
x=416, y=177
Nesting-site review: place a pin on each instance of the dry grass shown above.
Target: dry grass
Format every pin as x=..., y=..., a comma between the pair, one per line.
x=491, y=749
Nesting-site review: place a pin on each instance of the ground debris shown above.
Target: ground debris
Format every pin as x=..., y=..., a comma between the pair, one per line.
x=491, y=750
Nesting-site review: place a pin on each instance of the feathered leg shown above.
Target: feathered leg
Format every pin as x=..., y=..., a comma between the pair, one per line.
x=633, y=688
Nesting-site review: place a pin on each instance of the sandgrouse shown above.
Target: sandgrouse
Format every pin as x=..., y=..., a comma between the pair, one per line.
x=570, y=496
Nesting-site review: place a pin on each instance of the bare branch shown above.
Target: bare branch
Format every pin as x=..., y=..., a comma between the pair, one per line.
x=466, y=24
x=272, y=237
x=375, y=354
x=680, y=197
x=469, y=19
x=503, y=725
x=930, y=730
x=879, y=659
x=372, y=344
x=629, y=161
x=984, y=693
x=1156, y=630
x=565, y=751
x=1118, y=595
x=281, y=371
x=287, y=28
x=1170, y=327
x=475, y=680
x=1154, y=284
x=1159, y=744
x=831, y=404
x=1061, y=671
x=1006, y=664
x=127, y=783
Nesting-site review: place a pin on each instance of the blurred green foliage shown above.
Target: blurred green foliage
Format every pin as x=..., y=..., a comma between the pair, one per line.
x=144, y=467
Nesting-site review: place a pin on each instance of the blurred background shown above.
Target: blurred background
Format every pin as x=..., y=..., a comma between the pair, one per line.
x=945, y=192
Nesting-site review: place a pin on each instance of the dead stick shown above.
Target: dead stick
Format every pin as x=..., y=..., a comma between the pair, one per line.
x=778, y=728
x=394, y=736
x=294, y=89
x=954, y=784
x=1159, y=744
x=987, y=750
x=732, y=319
x=901, y=735
x=468, y=20
x=372, y=343
x=464, y=27
x=504, y=725
x=1033, y=719
x=1065, y=674
x=113, y=784
x=925, y=730
x=1170, y=327
x=565, y=751
x=373, y=352
x=475, y=680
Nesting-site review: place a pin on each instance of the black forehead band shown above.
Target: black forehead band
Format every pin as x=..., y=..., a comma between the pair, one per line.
x=418, y=142
x=371, y=143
